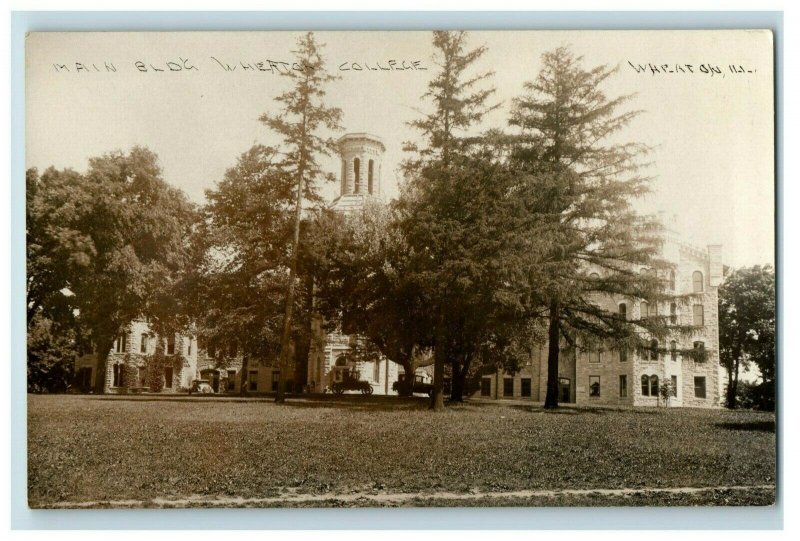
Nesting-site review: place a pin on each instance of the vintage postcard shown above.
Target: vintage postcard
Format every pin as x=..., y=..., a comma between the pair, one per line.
x=428, y=268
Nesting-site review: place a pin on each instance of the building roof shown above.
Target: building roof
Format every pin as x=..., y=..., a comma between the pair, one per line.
x=361, y=135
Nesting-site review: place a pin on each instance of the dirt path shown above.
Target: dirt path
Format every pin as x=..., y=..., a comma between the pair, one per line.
x=385, y=498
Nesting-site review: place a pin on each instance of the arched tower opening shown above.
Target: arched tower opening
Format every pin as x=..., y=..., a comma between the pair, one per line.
x=361, y=155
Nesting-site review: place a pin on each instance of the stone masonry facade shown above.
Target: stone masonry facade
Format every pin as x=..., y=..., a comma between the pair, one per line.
x=608, y=377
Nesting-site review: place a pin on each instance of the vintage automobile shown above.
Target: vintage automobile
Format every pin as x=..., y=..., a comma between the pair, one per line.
x=350, y=383
x=419, y=385
x=201, y=386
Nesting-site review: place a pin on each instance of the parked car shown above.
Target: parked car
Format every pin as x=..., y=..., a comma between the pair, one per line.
x=350, y=383
x=419, y=386
x=201, y=386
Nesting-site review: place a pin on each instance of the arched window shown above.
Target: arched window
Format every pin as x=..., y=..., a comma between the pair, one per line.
x=357, y=175
x=672, y=280
x=370, y=169
x=644, y=310
x=673, y=350
x=594, y=276
x=623, y=310
x=654, y=385
x=341, y=361
x=697, y=315
x=645, y=386
x=673, y=313
x=697, y=282
x=654, y=350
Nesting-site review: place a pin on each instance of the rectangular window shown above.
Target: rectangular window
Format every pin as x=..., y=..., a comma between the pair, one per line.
x=143, y=346
x=171, y=345
x=231, y=380
x=623, y=386
x=376, y=371
x=276, y=376
x=252, y=380
x=189, y=347
x=508, y=386
x=594, y=356
x=526, y=387
x=697, y=315
x=168, y=377
x=594, y=385
x=121, y=343
x=117, y=379
x=699, y=387
x=486, y=387
x=674, y=386
x=623, y=355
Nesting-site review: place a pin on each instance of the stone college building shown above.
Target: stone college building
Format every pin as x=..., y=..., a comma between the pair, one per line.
x=688, y=365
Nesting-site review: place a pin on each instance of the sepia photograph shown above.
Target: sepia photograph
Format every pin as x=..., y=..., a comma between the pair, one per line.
x=314, y=269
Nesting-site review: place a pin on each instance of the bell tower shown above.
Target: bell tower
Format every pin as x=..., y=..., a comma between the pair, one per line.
x=360, y=177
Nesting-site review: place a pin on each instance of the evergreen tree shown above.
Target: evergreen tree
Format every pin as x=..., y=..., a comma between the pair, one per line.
x=459, y=103
x=302, y=118
x=595, y=246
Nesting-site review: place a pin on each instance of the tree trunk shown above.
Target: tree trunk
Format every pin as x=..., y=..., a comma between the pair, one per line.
x=733, y=381
x=406, y=387
x=551, y=400
x=244, y=376
x=440, y=357
x=457, y=383
x=287, y=318
x=101, y=354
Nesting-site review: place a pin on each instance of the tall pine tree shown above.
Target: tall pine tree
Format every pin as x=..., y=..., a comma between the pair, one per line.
x=459, y=99
x=300, y=123
x=596, y=244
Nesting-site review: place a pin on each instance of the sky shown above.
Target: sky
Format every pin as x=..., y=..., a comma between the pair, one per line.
x=711, y=132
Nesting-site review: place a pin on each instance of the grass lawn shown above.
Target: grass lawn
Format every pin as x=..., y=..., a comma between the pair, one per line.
x=156, y=451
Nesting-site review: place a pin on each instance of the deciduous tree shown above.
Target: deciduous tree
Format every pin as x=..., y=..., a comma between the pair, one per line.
x=241, y=277
x=747, y=326
x=119, y=237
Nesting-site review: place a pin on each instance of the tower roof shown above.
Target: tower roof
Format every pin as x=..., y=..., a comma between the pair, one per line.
x=361, y=136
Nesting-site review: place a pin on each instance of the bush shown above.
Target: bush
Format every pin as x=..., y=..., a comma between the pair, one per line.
x=759, y=396
x=51, y=357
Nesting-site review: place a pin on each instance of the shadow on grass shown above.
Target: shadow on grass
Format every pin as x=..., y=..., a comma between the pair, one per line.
x=755, y=426
x=349, y=402
x=582, y=410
